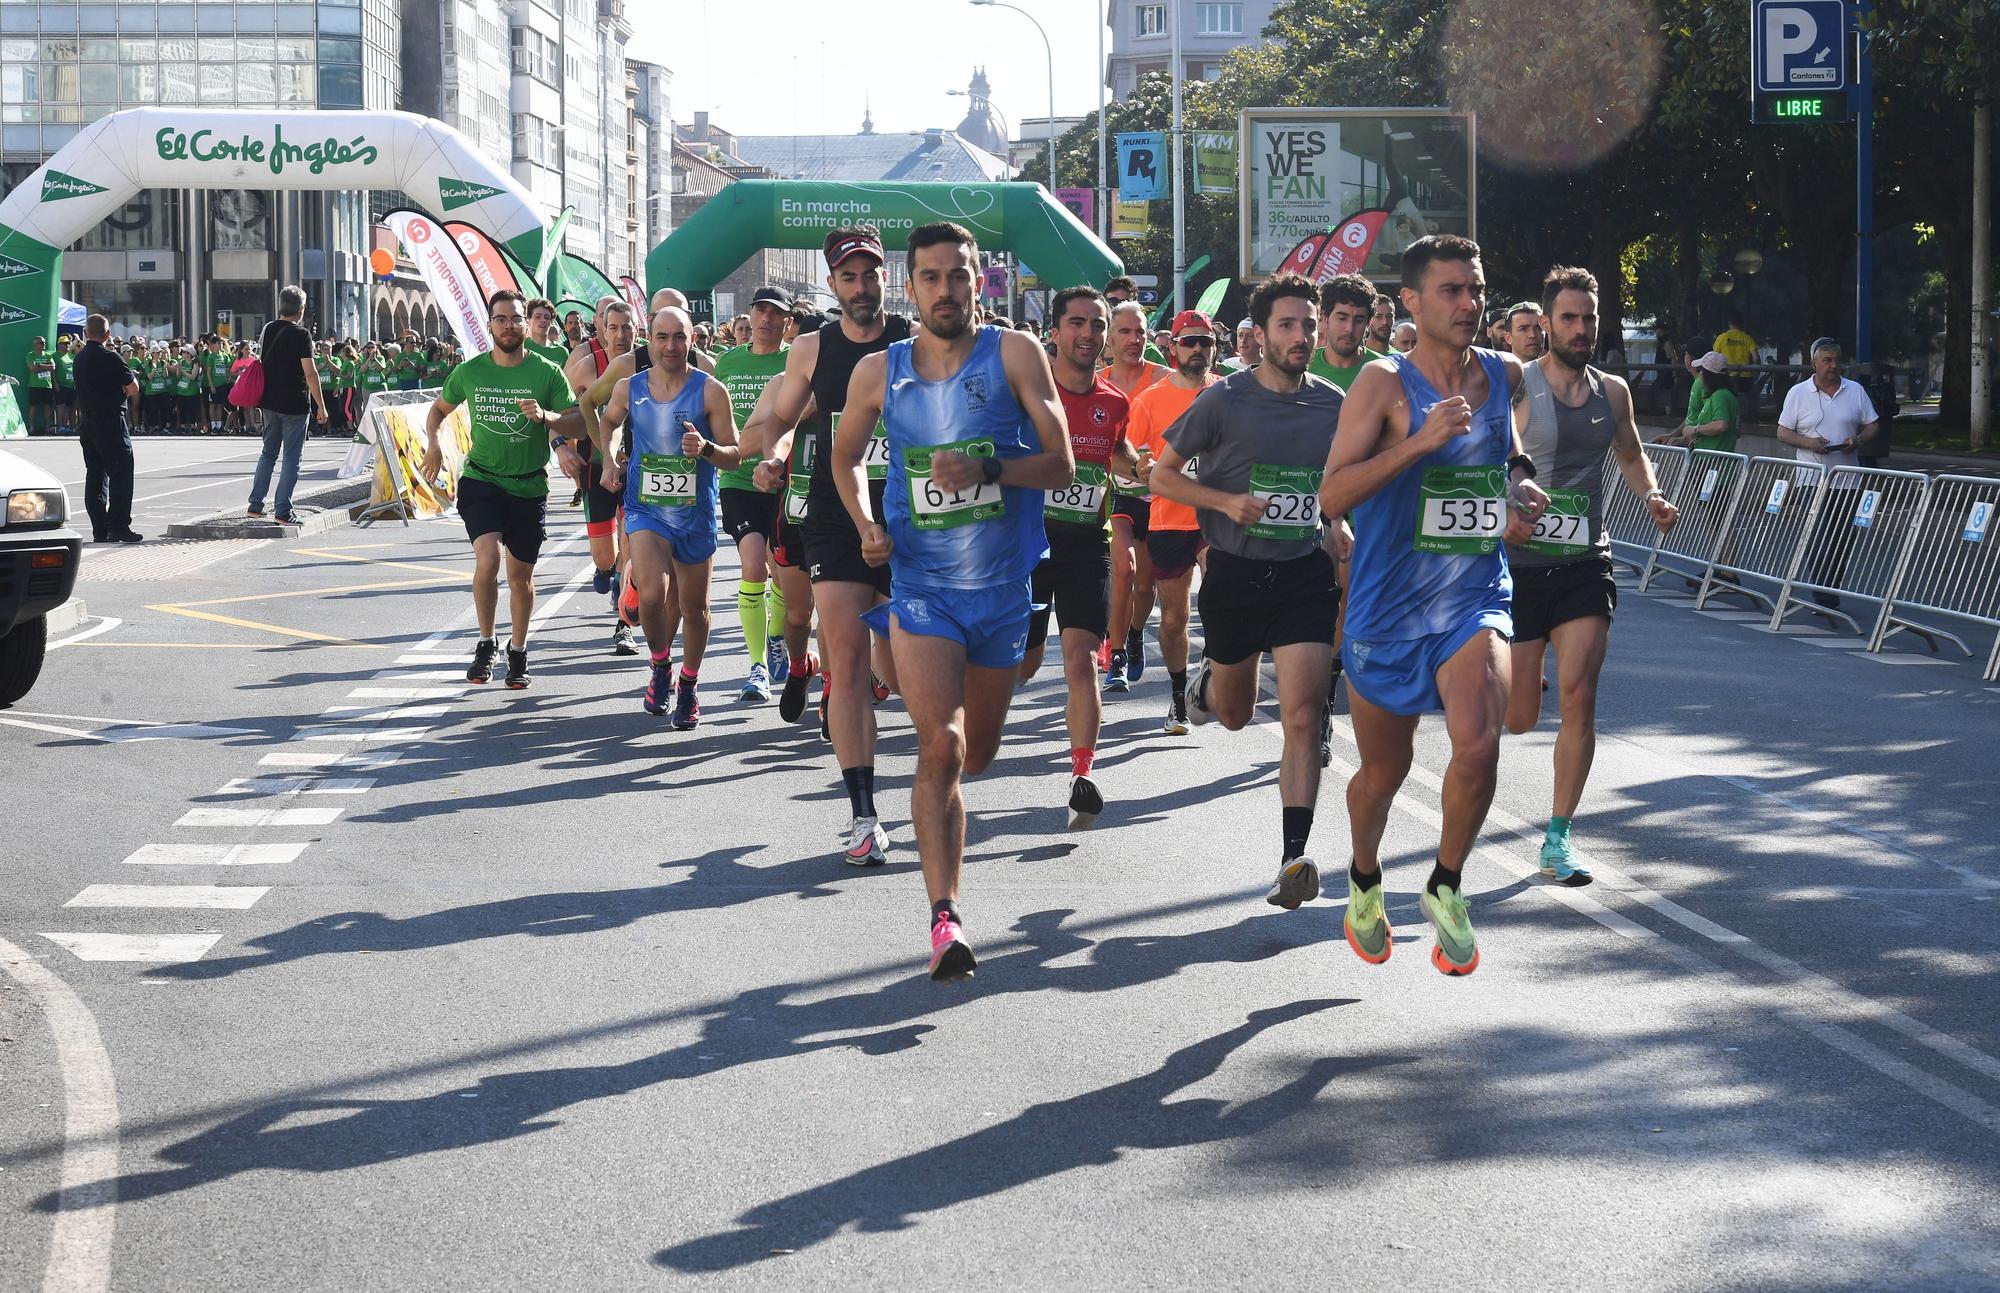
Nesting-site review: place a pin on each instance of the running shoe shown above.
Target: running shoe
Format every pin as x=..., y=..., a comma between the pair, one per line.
x=1366, y=923
x=792, y=700
x=687, y=707
x=881, y=688
x=867, y=843
x=615, y=585
x=1198, y=712
x=600, y=580
x=1114, y=674
x=951, y=955
x=1456, y=951
x=1104, y=654
x=780, y=662
x=1557, y=864
x=1176, y=724
x=1086, y=801
x=825, y=732
x=517, y=668
x=621, y=639
x=576, y=499
x=483, y=652
x=1135, y=657
x=757, y=686
x=1325, y=738
x=660, y=687
x=1297, y=882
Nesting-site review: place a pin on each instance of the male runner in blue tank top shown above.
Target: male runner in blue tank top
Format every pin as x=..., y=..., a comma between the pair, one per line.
x=1427, y=461
x=678, y=425
x=975, y=437
x=1570, y=416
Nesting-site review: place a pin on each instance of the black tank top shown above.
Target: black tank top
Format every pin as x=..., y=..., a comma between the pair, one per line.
x=831, y=373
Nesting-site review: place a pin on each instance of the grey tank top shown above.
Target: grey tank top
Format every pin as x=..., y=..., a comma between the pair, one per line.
x=1568, y=446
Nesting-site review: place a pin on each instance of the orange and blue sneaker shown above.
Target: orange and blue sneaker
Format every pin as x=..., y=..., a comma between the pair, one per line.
x=1456, y=951
x=951, y=955
x=1366, y=923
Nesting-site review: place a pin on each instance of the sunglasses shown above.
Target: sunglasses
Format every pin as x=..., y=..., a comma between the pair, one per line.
x=1199, y=343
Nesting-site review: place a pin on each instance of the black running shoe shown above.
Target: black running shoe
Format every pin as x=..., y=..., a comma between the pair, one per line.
x=1325, y=738
x=825, y=732
x=483, y=652
x=792, y=700
x=1086, y=801
x=517, y=667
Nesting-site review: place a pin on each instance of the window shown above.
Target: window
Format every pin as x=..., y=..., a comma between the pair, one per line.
x=1152, y=20
x=1219, y=19
x=536, y=55
x=339, y=87
x=535, y=140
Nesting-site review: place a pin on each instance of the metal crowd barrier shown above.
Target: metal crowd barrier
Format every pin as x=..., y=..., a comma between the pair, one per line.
x=1706, y=501
x=1628, y=522
x=1864, y=524
x=1952, y=566
x=1774, y=509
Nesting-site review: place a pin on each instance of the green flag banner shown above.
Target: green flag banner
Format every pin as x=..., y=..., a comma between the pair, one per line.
x=1214, y=163
x=11, y=426
x=1211, y=297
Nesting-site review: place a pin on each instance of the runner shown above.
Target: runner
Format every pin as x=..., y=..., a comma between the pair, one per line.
x=1263, y=438
x=1381, y=324
x=1074, y=580
x=544, y=338
x=517, y=399
x=681, y=431
x=1173, y=537
x=1423, y=460
x=1526, y=338
x=845, y=584
x=1131, y=509
x=1571, y=415
x=586, y=366
x=975, y=435
x=785, y=474
x=749, y=515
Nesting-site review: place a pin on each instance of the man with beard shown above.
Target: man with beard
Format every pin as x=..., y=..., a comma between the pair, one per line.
x=1423, y=460
x=613, y=340
x=1074, y=581
x=1569, y=417
x=681, y=430
x=1381, y=325
x=1263, y=438
x=1346, y=312
x=749, y=515
x=846, y=584
x=975, y=438
x=1173, y=535
x=516, y=398
x=1131, y=508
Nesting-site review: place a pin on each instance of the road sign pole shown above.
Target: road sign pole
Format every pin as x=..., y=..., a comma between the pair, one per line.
x=1864, y=192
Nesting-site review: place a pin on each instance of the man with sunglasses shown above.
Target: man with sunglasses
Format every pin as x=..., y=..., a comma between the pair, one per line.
x=1173, y=536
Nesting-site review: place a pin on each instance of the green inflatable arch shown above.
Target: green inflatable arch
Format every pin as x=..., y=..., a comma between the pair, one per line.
x=116, y=156
x=750, y=215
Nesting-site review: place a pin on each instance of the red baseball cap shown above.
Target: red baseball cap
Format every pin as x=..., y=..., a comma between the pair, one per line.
x=1192, y=321
x=839, y=249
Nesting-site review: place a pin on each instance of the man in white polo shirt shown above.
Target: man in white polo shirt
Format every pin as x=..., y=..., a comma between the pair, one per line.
x=1829, y=420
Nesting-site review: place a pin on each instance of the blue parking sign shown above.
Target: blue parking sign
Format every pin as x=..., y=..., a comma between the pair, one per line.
x=1799, y=45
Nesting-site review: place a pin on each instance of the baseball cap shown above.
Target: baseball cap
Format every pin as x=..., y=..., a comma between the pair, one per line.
x=777, y=296
x=1714, y=361
x=1192, y=321
x=839, y=249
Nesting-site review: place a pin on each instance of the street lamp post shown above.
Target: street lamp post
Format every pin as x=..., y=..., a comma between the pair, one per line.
x=1005, y=124
x=1049, y=51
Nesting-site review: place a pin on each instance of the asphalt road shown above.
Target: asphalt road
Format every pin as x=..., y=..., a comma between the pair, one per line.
x=516, y=990
x=178, y=478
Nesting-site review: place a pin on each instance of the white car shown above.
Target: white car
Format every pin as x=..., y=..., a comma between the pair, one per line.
x=39, y=555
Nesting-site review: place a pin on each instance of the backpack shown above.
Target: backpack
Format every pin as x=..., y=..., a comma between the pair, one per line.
x=249, y=388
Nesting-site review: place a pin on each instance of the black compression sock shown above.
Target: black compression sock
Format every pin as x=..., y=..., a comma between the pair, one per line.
x=1364, y=882
x=1179, y=678
x=1298, y=825
x=1440, y=876
x=860, y=783
x=945, y=906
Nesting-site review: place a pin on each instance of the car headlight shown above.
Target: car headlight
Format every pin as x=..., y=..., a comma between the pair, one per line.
x=34, y=507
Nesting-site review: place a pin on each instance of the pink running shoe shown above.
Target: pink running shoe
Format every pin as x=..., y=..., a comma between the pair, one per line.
x=951, y=955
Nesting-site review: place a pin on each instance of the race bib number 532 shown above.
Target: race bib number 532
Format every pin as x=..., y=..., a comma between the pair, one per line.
x=666, y=480
x=1462, y=511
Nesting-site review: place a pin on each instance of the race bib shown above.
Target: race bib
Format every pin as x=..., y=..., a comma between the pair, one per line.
x=666, y=480
x=1129, y=488
x=799, y=483
x=1462, y=511
x=1290, y=496
x=936, y=508
x=1082, y=501
x=1563, y=530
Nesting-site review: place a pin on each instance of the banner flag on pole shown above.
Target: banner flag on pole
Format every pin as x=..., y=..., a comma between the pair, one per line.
x=635, y=296
x=490, y=268
x=1082, y=204
x=445, y=272
x=1129, y=219
x=1143, y=166
x=1215, y=163
x=1341, y=250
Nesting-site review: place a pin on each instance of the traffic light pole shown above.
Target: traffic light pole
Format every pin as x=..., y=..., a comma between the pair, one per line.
x=1864, y=191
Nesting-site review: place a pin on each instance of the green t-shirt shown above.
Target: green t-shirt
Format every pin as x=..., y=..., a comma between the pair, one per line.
x=326, y=366
x=1153, y=355
x=374, y=375
x=188, y=381
x=42, y=379
x=156, y=377
x=408, y=368
x=216, y=363
x=508, y=451
x=745, y=375
x=66, y=369
x=1719, y=406
x=555, y=354
x=436, y=371
x=1341, y=377
x=1697, y=397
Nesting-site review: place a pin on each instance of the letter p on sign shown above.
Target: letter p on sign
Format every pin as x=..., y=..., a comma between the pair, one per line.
x=1787, y=31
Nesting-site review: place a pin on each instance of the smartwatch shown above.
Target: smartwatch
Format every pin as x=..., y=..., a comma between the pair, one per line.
x=1524, y=462
x=559, y=442
x=707, y=448
x=989, y=468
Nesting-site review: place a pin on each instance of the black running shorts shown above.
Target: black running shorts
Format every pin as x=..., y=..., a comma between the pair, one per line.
x=1545, y=596
x=833, y=555
x=489, y=509
x=749, y=511
x=1248, y=606
x=1139, y=511
x=1073, y=581
x=1174, y=552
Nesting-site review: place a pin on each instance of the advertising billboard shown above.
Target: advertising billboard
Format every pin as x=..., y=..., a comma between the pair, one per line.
x=1361, y=183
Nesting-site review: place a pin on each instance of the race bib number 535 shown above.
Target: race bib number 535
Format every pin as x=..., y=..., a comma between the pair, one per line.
x=1462, y=511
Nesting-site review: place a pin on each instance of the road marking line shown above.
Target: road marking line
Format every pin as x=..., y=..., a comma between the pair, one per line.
x=216, y=854
x=360, y=734
x=419, y=675
x=176, y=466
x=259, y=817
x=450, y=651
x=381, y=713
x=79, y=1258
x=296, y=786
x=164, y=949
x=361, y=759
x=1831, y=821
x=334, y=554
x=221, y=897
x=410, y=693
x=105, y=625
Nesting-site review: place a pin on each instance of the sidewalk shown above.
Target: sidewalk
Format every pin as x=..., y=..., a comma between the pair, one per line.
x=1761, y=438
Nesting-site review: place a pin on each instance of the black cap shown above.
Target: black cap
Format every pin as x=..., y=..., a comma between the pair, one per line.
x=777, y=296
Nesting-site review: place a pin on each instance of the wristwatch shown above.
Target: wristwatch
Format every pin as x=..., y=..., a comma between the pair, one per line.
x=707, y=448
x=989, y=468
x=1651, y=494
x=1524, y=462
x=559, y=442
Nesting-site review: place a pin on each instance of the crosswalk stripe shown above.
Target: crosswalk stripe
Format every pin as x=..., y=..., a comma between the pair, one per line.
x=259, y=817
x=231, y=897
x=420, y=675
x=361, y=735
x=165, y=949
x=296, y=786
x=360, y=760
x=382, y=713
x=216, y=854
x=409, y=693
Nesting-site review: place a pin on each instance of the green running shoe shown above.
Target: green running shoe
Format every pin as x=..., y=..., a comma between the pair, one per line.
x=1557, y=864
x=1456, y=952
x=1366, y=924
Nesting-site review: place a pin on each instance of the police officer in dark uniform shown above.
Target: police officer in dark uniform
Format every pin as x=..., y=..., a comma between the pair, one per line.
x=103, y=385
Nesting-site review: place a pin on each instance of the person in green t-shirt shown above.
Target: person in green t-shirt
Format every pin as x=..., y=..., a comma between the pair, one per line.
x=155, y=387
x=1715, y=424
x=215, y=380
x=544, y=338
x=41, y=385
x=65, y=383
x=186, y=389
x=437, y=364
x=520, y=408
x=1346, y=305
x=749, y=515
